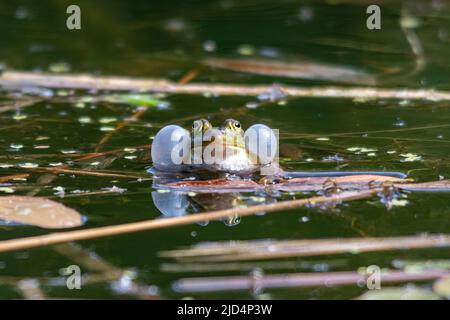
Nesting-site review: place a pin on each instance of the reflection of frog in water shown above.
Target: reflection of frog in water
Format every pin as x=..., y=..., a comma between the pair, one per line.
x=177, y=203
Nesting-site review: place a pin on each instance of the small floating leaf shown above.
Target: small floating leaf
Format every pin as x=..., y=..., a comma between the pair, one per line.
x=410, y=157
x=38, y=212
x=106, y=120
x=59, y=67
x=28, y=165
x=107, y=128
x=68, y=151
x=19, y=116
x=16, y=146
x=56, y=164
x=84, y=120
x=146, y=100
x=246, y=50
x=6, y=190
x=41, y=138
x=399, y=202
x=362, y=149
x=409, y=21
x=115, y=189
x=39, y=147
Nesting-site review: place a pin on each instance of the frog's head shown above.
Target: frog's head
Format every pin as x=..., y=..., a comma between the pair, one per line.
x=229, y=135
x=219, y=148
x=199, y=127
x=232, y=134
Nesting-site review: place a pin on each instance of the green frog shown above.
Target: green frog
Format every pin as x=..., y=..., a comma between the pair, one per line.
x=228, y=149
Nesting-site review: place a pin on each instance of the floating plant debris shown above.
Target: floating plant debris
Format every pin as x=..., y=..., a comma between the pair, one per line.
x=107, y=128
x=145, y=100
x=410, y=157
x=106, y=120
x=85, y=120
x=297, y=69
x=38, y=212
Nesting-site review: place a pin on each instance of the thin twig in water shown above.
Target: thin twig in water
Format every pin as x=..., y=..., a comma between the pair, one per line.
x=297, y=70
x=413, y=40
x=90, y=173
x=102, y=270
x=12, y=177
x=191, y=75
x=136, y=115
x=118, y=152
x=17, y=79
x=355, y=133
x=20, y=104
x=241, y=266
x=62, y=237
x=97, y=193
x=270, y=249
x=299, y=280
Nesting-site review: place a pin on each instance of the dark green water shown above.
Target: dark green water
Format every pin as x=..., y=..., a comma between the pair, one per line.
x=168, y=39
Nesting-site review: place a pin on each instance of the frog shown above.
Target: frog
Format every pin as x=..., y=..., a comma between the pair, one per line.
x=221, y=149
x=241, y=156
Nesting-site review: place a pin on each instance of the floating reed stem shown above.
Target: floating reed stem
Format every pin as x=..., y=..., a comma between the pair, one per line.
x=299, y=280
x=62, y=237
x=18, y=79
x=270, y=249
x=90, y=173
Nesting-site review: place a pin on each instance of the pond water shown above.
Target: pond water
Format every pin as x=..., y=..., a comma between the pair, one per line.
x=169, y=40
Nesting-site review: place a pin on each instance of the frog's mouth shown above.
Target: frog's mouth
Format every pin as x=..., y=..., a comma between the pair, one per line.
x=231, y=141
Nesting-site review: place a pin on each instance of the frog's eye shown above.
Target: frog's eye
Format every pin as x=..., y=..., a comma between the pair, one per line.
x=237, y=124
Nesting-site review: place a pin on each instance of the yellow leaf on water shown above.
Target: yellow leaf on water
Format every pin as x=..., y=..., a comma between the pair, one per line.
x=40, y=212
